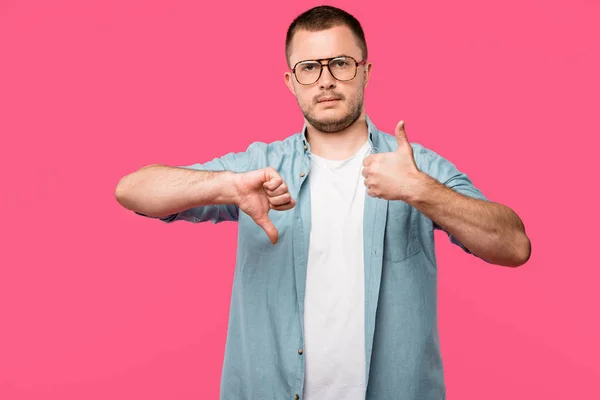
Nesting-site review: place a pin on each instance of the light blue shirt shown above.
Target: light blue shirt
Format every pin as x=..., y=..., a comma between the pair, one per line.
x=265, y=333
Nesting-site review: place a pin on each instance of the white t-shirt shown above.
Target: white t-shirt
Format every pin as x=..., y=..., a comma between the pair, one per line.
x=334, y=347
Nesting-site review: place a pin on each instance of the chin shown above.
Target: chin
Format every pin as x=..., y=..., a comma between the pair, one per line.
x=330, y=114
x=328, y=123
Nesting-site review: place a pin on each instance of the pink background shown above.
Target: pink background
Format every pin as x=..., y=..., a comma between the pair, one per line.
x=97, y=303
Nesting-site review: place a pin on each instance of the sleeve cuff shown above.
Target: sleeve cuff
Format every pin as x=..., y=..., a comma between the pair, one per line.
x=168, y=218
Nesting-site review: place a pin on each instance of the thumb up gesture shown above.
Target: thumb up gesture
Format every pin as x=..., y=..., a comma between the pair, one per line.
x=260, y=191
x=393, y=175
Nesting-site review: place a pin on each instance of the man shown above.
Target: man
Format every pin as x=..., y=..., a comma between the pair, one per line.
x=334, y=293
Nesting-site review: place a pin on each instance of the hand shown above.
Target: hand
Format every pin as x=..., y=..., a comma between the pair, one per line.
x=394, y=175
x=260, y=191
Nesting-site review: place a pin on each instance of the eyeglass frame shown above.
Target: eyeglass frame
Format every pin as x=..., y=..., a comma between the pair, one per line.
x=357, y=64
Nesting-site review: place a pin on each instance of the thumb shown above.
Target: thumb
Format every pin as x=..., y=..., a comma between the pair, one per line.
x=401, y=134
x=267, y=226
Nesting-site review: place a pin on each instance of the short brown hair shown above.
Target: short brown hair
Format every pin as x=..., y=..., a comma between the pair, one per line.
x=325, y=17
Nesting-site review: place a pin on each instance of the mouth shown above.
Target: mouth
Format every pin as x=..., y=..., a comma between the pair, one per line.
x=328, y=100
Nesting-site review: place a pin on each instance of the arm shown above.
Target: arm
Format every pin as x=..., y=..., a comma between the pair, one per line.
x=489, y=230
x=194, y=193
x=216, y=191
x=434, y=186
x=160, y=191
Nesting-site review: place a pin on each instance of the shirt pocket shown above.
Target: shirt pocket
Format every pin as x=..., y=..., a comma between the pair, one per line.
x=401, y=239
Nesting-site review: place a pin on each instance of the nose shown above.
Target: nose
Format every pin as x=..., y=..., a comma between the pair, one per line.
x=326, y=81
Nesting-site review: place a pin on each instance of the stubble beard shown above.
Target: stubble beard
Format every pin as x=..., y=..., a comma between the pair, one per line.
x=331, y=125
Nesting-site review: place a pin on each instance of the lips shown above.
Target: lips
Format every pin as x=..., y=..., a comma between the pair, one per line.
x=326, y=99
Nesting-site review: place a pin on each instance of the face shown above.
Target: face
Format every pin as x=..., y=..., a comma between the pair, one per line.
x=328, y=105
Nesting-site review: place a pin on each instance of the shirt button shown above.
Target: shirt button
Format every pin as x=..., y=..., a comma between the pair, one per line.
x=302, y=174
x=305, y=147
x=296, y=397
x=300, y=351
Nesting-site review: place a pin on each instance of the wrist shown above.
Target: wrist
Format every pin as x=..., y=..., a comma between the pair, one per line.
x=231, y=187
x=417, y=188
x=217, y=187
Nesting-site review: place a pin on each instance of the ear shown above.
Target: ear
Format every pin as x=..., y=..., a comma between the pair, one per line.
x=289, y=82
x=367, y=73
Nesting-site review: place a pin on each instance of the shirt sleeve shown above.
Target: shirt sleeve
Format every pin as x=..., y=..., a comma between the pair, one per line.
x=234, y=162
x=448, y=174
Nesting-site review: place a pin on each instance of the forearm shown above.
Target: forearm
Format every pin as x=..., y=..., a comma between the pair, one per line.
x=489, y=230
x=159, y=190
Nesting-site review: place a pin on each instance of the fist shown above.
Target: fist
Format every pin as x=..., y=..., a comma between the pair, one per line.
x=260, y=191
x=392, y=176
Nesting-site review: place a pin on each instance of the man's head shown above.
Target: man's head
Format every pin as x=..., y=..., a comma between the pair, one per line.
x=331, y=95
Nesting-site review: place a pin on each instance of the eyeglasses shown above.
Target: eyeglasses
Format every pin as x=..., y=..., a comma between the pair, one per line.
x=341, y=68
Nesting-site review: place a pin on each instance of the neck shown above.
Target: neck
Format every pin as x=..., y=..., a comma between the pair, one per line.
x=338, y=145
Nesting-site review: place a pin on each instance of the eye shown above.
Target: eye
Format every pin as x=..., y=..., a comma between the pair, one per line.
x=341, y=63
x=308, y=67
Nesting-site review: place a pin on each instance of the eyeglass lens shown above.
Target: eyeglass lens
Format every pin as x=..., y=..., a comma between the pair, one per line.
x=342, y=69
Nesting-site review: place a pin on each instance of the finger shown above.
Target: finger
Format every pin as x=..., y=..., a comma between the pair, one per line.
x=284, y=207
x=372, y=192
x=366, y=171
x=269, y=229
x=273, y=182
x=280, y=200
x=368, y=160
x=401, y=137
x=281, y=189
x=272, y=179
